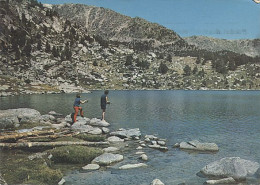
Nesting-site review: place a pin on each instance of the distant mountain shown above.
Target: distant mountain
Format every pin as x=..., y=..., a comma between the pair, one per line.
x=73, y=47
x=247, y=47
x=113, y=26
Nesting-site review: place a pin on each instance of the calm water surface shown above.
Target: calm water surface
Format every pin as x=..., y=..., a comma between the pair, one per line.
x=231, y=119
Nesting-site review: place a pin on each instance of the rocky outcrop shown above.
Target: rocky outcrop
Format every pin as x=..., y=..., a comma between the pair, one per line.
x=107, y=159
x=247, y=47
x=198, y=146
x=234, y=167
x=14, y=117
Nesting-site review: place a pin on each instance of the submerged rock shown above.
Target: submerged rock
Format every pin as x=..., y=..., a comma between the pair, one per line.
x=144, y=157
x=107, y=159
x=231, y=167
x=127, y=133
x=110, y=149
x=196, y=145
x=130, y=166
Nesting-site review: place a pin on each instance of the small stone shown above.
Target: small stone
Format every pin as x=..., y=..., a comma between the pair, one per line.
x=62, y=181
x=115, y=139
x=139, y=148
x=143, y=145
x=130, y=166
x=144, y=157
x=162, y=143
x=91, y=167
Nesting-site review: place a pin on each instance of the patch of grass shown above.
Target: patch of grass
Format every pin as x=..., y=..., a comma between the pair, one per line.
x=67, y=138
x=18, y=169
x=74, y=154
x=89, y=137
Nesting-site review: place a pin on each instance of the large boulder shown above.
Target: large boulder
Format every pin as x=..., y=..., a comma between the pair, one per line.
x=124, y=133
x=83, y=128
x=98, y=123
x=107, y=159
x=231, y=167
x=11, y=117
x=196, y=145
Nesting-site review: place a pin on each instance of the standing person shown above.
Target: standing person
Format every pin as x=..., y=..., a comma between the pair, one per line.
x=104, y=101
x=77, y=107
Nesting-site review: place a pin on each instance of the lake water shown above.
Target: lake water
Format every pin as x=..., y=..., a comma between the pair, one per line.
x=231, y=119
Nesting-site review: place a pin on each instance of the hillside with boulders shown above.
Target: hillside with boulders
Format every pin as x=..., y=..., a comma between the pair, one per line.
x=76, y=48
x=243, y=46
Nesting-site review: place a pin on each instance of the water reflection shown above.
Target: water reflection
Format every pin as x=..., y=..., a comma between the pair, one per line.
x=229, y=118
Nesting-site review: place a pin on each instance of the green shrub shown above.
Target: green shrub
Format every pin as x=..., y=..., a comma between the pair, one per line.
x=89, y=137
x=74, y=154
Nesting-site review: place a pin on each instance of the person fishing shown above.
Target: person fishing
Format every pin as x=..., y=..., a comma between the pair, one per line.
x=104, y=101
x=77, y=107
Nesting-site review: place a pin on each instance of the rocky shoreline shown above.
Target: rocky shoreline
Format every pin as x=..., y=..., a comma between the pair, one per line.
x=19, y=131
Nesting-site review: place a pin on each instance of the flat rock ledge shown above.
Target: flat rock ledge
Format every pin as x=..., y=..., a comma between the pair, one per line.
x=228, y=180
x=91, y=167
x=198, y=146
x=159, y=147
x=127, y=133
x=234, y=167
x=107, y=159
x=157, y=182
x=130, y=166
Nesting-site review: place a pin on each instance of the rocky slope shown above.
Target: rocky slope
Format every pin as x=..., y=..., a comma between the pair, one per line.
x=247, y=47
x=72, y=48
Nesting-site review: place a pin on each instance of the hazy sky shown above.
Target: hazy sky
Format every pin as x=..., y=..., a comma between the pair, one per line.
x=228, y=19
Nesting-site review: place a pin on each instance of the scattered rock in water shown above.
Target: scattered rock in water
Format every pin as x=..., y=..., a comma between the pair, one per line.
x=231, y=167
x=162, y=143
x=159, y=147
x=196, y=145
x=48, y=117
x=98, y=123
x=130, y=166
x=115, y=139
x=107, y=159
x=127, y=133
x=228, y=180
x=91, y=167
x=110, y=149
x=151, y=137
x=139, y=148
x=144, y=157
x=157, y=182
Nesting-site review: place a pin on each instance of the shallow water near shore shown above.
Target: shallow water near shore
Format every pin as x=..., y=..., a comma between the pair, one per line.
x=231, y=119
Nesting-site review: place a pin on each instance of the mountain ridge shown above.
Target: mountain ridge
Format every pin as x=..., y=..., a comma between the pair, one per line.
x=43, y=51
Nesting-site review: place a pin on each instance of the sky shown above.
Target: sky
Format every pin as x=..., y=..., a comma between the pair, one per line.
x=226, y=19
